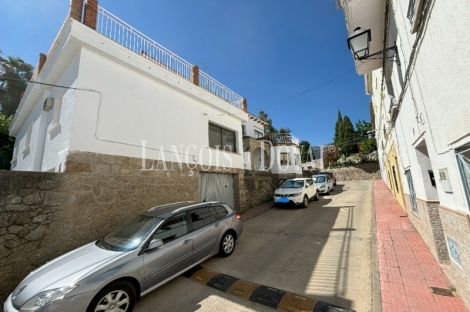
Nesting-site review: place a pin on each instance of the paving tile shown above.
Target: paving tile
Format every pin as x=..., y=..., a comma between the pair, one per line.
x=406, y=266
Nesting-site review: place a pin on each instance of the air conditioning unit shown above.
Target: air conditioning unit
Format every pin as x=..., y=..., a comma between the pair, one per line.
x=48, y=104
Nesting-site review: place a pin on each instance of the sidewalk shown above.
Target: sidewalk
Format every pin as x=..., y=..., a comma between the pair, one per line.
x=406, y=266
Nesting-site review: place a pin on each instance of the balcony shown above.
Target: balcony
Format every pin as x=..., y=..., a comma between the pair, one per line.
x=122, y=33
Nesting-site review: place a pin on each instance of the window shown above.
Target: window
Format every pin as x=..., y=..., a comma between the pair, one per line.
x=28, y=139
x=218, y=212
x=222, y=138
x=463, y=160
x=56, y=117
x=173, y=228
x=258, y=134
x=284, y=159
x=444, y=180
x=412, y=191
x=395, y=179
x=411, y=10
x=200, y=217
x=243, y=130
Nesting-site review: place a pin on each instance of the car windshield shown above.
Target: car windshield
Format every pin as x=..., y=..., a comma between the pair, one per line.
x=319, y=179
x=293, y=184
x=129, y=235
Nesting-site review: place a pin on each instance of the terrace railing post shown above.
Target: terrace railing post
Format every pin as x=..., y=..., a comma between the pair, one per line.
x=91, y=13
x=76, y=8
x=244, y=105
x=195, y=75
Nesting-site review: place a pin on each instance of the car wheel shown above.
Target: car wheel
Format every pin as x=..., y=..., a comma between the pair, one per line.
x=317, y=196
x=333, y=188
x=227, y=245
x=117, y=296
x=305, y=202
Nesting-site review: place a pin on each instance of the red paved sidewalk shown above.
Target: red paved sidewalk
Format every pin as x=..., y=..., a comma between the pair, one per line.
x=406, y=266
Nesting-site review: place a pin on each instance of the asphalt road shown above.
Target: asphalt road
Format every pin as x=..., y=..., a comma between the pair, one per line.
x=324, y=252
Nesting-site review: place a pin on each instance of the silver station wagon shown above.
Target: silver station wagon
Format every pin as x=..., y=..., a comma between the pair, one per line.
x=139, y=256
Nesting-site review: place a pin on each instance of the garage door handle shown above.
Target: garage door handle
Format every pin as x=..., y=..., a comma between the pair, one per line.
x=217, y=224
x=187, y=241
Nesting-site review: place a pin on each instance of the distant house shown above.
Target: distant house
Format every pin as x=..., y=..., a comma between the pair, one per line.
x=279, y=153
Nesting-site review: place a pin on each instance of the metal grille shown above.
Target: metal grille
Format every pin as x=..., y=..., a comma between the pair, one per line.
x=412, y=190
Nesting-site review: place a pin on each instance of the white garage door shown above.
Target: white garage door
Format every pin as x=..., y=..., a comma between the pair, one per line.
x=216, y=186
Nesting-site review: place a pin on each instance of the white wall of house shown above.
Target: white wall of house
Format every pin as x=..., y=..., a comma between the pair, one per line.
x=293, y=159
x=435, y=108
x=129, y=101
x=254, y=128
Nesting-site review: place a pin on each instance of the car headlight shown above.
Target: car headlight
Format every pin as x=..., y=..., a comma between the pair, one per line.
x=46, y=297
x=322, y=185
x=295, y=194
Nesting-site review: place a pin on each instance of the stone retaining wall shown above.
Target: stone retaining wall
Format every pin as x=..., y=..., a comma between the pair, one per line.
x=43, y=215
x=364, y=171
x=254, y=188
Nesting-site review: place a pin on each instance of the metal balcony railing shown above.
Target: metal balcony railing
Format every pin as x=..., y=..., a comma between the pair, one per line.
x=119, y=31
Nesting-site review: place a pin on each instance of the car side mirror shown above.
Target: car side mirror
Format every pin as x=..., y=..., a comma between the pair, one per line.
x=155, y=243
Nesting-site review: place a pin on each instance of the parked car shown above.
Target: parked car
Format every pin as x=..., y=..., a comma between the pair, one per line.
x=296, y=192
x=134, y=259
x=332, y=176
x=324, y=183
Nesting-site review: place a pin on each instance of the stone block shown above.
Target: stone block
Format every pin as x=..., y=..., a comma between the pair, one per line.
x=15, y=207
x=40, y=218
x=37, y=234
x=32, y=199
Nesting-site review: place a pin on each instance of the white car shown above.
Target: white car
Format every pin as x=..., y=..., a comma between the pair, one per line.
x=296, y=192
x=324, y=183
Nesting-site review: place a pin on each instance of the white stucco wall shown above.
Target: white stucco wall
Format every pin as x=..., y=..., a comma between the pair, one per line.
x=51, y=130
x=292, y=150
x=129, y=101
x=251, y=125
x=435, y=107
x=136, y=100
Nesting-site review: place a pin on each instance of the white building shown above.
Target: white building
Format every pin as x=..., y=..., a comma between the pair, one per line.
x=114, y=96
x=420, y=100
x=279, y=153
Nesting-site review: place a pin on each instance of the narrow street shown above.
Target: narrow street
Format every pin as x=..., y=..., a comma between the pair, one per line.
x=324, y=252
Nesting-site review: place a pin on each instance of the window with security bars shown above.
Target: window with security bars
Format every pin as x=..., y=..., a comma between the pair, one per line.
x=411, y=187
x=444, y=180
x=222, y=138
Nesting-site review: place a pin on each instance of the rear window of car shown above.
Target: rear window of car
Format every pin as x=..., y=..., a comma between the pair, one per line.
x=200, y=217
x=218, y=212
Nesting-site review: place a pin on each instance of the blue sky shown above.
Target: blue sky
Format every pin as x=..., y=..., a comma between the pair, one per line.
x=268, y=51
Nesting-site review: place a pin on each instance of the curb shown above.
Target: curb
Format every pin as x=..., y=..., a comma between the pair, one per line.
x=265, y=295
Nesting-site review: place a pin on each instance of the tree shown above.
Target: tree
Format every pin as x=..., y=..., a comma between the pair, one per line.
x=362, y=128
x=348, y=145
x=14, y=77
x=305, y=151
x=337, y=136
x=6, y=142
x=269, y=129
